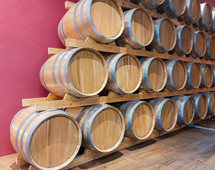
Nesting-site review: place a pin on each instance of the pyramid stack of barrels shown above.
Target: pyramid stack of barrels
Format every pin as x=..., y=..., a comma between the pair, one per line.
x=52, y=138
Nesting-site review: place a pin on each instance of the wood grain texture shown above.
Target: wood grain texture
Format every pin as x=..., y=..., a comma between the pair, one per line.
x=165, y=113
x=124, y=73
x=80, y=72
x=154, y=74
x=210, y=53
x=201, y=107
x=207, y=75
x=193, y=75
x=139, y=29
x=100, y=19
x=193, y=8
x=102, y=126
x=205, y=20
x=139, y=119
x=177, y=75
x=49, y=139
x=151, y=4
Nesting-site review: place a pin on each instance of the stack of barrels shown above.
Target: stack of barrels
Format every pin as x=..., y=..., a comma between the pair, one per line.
x=51, y=139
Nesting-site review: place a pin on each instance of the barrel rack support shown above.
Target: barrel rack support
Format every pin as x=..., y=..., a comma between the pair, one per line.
x=54, y=102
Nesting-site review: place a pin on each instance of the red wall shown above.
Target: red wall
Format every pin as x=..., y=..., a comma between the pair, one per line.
x=27, y=29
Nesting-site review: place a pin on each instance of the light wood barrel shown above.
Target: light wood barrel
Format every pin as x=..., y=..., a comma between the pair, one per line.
x=139, y=29
x=48, y=140
x=192, y=12
x=211, y=102
x=165, y=114
x=212, y=29
x=151, y=4
x=193, y=75
x=184, y=43
x=206, y=16
x=165, y=35
x=210, y=52
x=207, y=75
x=201, y=107
x=139, y=119
x=177, y=75
x=101, y=20
x=173, y=8
x=154, y=74
x=199, y=44
x=102, y=126
x=124, y=73
x=80, y=72
x=186, y=109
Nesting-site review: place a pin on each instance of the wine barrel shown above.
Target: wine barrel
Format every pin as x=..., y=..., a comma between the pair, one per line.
x=165, y=35
x=184, y=43
x=201, y=107
x=173, y=8
x=210, y=52
x=193, y=75
x=165, y=114
x=177, y=75
x=102, y=126
x=192, y=12
x=199, y=44
x=154, y=74
x=212, y=29
x=151, y=4
x=211, y=102
x=48, y=140
x=206, y=16
x=101, y=20
x=207, y=75
x=139, y=119
x=139, y=29
x=80, y=72
x=186, y=109
x=124, y=73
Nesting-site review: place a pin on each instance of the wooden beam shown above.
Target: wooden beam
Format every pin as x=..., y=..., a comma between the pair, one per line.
x=141, y=53
x=53, y=51
x=68, y=4
x=46, y=103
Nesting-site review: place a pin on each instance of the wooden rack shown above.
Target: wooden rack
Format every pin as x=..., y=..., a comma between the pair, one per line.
x=54, y=102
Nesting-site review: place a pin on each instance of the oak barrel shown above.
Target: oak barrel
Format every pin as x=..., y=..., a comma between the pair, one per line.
x=192, y=12
x=201, y=107
x=165, y=35
x=151, y=4
x=139, y=29
x=199, y=44
x=184, y=43
x=212, y=29
x=211, y=102
x=102, y=126
x=80, y=72
x=124, y=73
x=139, y=119
x=205, y=20
x=186, y=109
x=154, y=74
x=165, y=114
x=193, y=75
x=48, y=140
x=210, y=52
x=101, y=20
x=177, y=75
x=207, y=75
x=173, y=8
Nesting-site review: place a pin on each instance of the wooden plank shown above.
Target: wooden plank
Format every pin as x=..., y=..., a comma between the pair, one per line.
x=43, y=104
x=68, y=4
x=53, y=51
x=31, y=101
x=141, y=53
